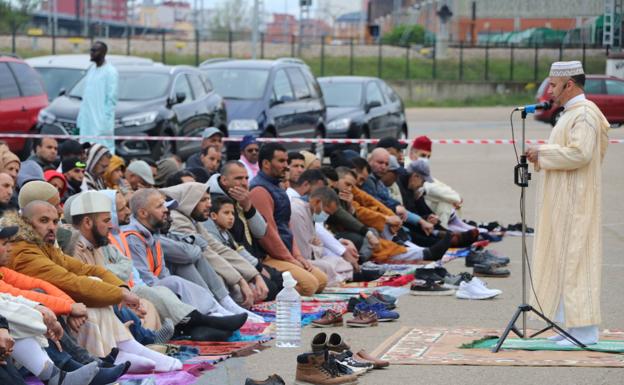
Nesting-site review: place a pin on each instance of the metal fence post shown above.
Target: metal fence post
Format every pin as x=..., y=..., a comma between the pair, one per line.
x=53, y=40
x=196, y=48
x=511, y=62
x=434, y=64
x=461, y=60
x=322, y=55
x=292, y=45
x=379, y=59
x=407, y=61
x=583, y=57
x=351, y=56
x=128, y=41
x=230, y=38
x=163, y=53
x=261, y=45
x=487, y=60
x=535, y=63
x=13, y=37
x=561, y=51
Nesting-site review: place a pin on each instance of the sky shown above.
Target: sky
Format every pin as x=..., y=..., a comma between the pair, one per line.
x=336, y=7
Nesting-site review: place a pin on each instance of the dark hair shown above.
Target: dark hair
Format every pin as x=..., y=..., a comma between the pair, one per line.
x=219, y=201
x=205, y=150
x=267, y=152
x=77, y=219
x=342, y=171
x=39, y=141
x=311, y=176
x=150, y=162
x=579, y=80
x=330, y=173
x=326, y=195
x=225, y=169
x=176, y=179
x=103, y=45
x=360, y=164
x=295, y=155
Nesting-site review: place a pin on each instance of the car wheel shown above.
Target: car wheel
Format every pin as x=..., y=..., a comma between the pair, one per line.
x=162, y=148
x=318, y=148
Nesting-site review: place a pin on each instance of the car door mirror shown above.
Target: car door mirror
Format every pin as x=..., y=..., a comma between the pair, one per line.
x=372, y=104
x=180, y=97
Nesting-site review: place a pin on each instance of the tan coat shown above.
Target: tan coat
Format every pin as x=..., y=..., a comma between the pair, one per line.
x=567, y=255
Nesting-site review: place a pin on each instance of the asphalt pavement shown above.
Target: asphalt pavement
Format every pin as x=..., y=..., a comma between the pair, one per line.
x=483, y=174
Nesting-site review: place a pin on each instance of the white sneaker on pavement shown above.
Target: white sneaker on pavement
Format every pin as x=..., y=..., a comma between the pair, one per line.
x=473, y=290
x=485, y=286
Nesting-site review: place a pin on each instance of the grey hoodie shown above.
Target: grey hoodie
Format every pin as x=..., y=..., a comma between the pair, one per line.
x=29, y=171
x=226, y=262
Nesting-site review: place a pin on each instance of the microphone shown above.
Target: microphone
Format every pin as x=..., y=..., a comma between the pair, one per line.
x=531, y=108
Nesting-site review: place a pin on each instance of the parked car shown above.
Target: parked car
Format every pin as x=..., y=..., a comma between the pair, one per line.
x=606, y=91
x=61, y=72
x=362, y=107
x=21, y=98
x=152, y=101
x=269, y=98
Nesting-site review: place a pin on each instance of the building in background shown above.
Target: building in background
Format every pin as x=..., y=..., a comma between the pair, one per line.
x=280, y=27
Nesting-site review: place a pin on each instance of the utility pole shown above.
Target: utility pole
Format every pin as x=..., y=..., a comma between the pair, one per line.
x=255, y=30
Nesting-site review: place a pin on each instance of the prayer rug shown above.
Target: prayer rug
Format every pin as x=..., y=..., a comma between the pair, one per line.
x=534, y=344
x=221, y=348
x=442, y=346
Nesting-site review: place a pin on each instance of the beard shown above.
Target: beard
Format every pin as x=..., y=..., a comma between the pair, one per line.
x=99, y=239
x=155, y=224
x=166, y=226
x=75, y=184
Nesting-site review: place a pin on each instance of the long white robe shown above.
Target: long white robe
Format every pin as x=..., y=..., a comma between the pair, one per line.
x=567, y=253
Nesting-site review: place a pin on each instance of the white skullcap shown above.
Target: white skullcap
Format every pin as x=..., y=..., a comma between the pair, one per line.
x=566, y=69
x=91, y=202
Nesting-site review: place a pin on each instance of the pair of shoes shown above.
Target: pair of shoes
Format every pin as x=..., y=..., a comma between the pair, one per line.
x=382, y=312
x=367, y=275
x=476, y=289
x=273, y=379
x=363, y=356
x=489, y=270
x=388, y=301
x=477, y=255
x=334, y=343
x=320, y=368
x=431, y=274
x=362, y=319
x=356, y=367
x=429, y=288
x=453, y=281
x=329, y=319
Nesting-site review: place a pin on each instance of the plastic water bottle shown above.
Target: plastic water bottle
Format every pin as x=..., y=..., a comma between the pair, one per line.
x=288, y=317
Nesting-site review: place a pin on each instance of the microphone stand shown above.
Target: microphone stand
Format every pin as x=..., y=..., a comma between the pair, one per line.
x=521, y=179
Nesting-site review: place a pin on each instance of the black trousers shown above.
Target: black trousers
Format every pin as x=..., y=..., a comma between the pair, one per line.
x=9, y=374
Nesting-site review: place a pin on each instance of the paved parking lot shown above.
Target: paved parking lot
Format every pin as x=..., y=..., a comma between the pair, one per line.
x=483, y=174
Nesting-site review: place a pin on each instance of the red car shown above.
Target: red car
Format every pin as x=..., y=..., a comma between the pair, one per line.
x=22, y=95
x=606, y=91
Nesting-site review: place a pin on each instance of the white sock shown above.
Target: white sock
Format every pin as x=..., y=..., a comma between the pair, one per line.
x=233, y=307
x=138, y=364
x=29, y=353
x=161, y=361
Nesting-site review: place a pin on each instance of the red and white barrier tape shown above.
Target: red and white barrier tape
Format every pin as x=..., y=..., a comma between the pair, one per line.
x=279, y=140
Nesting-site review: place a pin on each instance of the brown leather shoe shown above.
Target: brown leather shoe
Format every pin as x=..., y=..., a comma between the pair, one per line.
x=362, y=319
x=319, y=342
x=329, y=319
x=336, y=343
x=363, y=356
x=319, y=369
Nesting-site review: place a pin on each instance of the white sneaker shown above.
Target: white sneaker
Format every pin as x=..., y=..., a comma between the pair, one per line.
x=472, y=290
x=484, y=285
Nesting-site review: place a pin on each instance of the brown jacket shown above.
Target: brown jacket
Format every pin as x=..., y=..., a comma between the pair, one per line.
x=31, y=256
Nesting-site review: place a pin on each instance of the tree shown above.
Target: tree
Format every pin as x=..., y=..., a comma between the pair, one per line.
x=15, y=14
x=233, y=15
x=405, y=34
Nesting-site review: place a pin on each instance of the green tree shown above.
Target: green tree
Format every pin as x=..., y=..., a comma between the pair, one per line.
x=233, y=15
x=15, y=14
x=405, y=34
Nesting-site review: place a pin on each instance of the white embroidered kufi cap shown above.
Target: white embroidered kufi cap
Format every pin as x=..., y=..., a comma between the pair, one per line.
x=566, y=69
x=91, y=202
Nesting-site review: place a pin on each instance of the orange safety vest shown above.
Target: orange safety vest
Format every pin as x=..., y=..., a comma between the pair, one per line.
x=155, y=264
x=123, y=249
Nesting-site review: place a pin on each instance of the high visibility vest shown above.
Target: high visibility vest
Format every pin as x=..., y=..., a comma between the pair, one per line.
x=155, y=263
x=123, y=249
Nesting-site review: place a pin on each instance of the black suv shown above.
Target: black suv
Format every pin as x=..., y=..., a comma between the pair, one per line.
x=269, y=98
x=152, y=101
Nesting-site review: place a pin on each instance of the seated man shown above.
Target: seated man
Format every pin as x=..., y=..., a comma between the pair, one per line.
x=274, y=205
x=249, y=226
x=139, y=175
x=296, y=167
x=34, y=254
x=188, y=218
x=149, y=216
x=98, y=159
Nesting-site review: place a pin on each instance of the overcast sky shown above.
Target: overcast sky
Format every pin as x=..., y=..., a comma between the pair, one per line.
x=336, y=7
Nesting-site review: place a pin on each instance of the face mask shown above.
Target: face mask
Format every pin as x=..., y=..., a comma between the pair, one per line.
x=320, y=217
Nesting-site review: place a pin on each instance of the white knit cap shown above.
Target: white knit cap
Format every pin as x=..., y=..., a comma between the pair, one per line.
x=566, y=69
x=91, y=202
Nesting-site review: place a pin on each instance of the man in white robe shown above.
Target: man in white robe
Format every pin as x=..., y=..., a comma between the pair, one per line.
x=97, y=109
x=567, y=255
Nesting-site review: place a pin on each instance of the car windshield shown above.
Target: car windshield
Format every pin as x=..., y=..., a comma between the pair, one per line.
x=238, y=83
x=342, y=94
x=56, y=79
x=134, y=86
